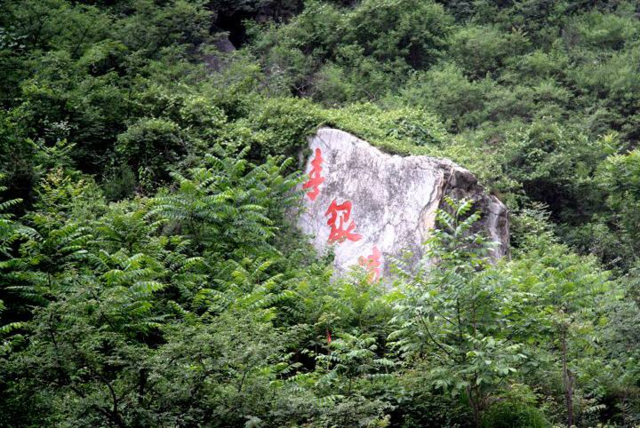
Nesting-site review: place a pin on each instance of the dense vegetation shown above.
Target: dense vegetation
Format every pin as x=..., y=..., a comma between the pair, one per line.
x=149, y=272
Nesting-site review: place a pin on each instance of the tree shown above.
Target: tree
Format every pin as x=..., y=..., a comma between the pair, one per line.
x=228, y=205
x=453, y=313
x=10, y=232
x=568, y=289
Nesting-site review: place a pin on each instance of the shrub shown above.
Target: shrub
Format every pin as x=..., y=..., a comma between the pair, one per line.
x=484, y=49
x=151, y=144
x=120, y=184
x=514, y=415
x=288, y=121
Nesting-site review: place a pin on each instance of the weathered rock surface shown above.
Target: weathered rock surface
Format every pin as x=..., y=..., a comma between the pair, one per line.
x=369, y=206
x=217, y=61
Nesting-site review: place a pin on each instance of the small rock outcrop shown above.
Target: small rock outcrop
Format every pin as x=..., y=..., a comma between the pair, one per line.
x=217, y=61
x=369, y=206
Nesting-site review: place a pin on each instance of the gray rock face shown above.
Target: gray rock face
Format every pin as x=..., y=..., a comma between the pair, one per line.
x=217, y=61
x=368, y=206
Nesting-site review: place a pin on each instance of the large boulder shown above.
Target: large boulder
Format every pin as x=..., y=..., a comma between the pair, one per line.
x=368, y=206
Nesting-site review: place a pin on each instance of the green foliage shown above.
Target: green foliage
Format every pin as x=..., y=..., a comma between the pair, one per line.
x=150, y=271
x=484, y=49
x=564, y=324
x=396, y=130
x=367, y=59
x=288, y=122
x=407, y=30
x=618, y=178
x=141, y=143
x=453, y=313
x=506, y=415
x=10, y=232
x=445, y=89
x=227, y=204
x=120, y=184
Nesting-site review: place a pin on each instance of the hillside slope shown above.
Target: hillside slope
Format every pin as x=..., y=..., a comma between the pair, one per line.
x=150, y=274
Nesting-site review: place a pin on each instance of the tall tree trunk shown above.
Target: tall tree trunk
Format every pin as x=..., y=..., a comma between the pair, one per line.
x=474, y=401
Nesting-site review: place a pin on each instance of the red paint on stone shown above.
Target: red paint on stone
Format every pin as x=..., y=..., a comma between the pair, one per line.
x=315, y=176
x=372, y=264
x=342, y=226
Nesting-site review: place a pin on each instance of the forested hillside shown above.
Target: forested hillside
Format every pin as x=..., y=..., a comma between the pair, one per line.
x=150, y=272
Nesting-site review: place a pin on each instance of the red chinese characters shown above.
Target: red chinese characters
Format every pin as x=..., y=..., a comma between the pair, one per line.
x=315, y=176
x=372, y=264
x=342, y=227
